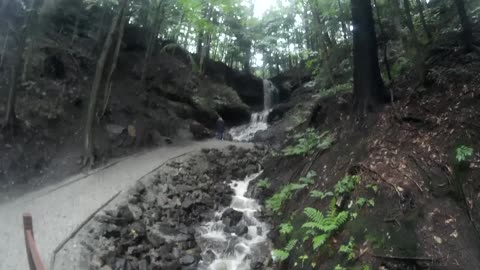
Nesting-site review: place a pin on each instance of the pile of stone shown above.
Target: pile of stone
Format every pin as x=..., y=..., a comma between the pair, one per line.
x=155, y=227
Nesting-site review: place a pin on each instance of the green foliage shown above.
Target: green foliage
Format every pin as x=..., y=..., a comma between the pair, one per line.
x=347, y=184
x=337, y=89
x=309, y=178
x=308, y=142
x=349, y=249
x=264, y=183
x=280, y=255
x=320, y=226
x=339, y=267
x=286, y=228
x=320, y=194
x=463, y=153
x=276, y=201
x=373, y=187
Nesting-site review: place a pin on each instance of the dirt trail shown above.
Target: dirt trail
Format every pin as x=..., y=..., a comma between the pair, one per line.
x=58, y=210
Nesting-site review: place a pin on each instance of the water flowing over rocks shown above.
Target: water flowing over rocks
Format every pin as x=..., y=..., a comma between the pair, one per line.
x=156, y=226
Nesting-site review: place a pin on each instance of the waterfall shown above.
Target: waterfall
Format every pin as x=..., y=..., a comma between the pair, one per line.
x=258, y=120
x=228, y=251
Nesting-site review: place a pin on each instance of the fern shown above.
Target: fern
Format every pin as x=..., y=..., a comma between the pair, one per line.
x=308, y=142
x=322, y=226
x=347, y=184
x=320, y=194
x=348, y=249
x=286, y=228
x=275, y=202
x=280, y=255
x=264, y=183
x=309, y=178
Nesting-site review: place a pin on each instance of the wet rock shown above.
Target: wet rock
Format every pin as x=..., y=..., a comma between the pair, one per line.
x=187, y=260
x=231, y=217
x=209, y=256
x=241, y=230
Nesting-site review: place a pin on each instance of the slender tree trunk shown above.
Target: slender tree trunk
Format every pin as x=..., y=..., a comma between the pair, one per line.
x=466, y=25
x=385, y=42
x=113, y=66
x=4, y=47
x=426, y=29
x=187, y=36
x=16, y=72
x=152, y=41
x=89, y=143
x=368, y=88
x=409, y=23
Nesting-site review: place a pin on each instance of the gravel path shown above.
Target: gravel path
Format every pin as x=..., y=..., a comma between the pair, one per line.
x=58, y=210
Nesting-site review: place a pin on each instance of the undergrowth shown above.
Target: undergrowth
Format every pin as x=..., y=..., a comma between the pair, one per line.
x=308, y=142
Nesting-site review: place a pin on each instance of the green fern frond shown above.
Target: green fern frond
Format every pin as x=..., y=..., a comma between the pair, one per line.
x=279, y=255
x=291, y=244
x=319, y=240
x=342, y=218
x=314, y=215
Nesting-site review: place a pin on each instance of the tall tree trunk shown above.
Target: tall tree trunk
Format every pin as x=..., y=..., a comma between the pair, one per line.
x=16, y=72
x=32, y=21
x=113, y=66
x=409, y=23
x=426, y=29
x=466, y=25
x=152, y=41
x=4, y=47
x=385, y=42
x=97, y=81
x=368, y=88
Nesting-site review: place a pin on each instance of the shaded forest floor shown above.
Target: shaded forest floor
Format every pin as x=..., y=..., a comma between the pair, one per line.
x=426, y=212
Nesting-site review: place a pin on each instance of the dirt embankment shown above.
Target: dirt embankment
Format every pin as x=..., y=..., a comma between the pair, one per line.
x=52, y=103
x=414, y=205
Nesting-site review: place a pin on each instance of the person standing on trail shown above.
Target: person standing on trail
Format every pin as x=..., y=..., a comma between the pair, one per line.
x=220, y=128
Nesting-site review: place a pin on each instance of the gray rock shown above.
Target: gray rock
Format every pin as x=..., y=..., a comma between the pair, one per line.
x=136, y=211
x=231, y=217
x=187, y=260
x=155, y=237
x=114, y=130
x=241, y=230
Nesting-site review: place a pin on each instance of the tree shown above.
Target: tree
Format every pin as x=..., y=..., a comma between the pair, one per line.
x=92, y=106
x=368, y=87
x=466, y=25
x=16, y=71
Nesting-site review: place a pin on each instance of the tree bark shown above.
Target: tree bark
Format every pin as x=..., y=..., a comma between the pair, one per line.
x=88, y=143
x=113, y=66
x=368, y=88
x=466, y=25
x=385, y=42
x=151, y=40
x=409, y=23
x=426, y=29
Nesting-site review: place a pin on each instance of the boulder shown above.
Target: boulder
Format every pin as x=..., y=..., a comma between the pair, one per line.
x=199, y=131
x=114, y=130
x=231, y=217
x=187, y=260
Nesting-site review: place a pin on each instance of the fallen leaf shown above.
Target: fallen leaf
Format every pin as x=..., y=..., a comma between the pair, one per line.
x=437, y=239
x=454, y=234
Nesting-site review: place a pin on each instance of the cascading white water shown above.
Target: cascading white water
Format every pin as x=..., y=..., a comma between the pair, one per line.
x=232, y=252
x=258, y=121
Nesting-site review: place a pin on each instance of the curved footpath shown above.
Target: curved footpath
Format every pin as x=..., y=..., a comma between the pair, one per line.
x=58, y=210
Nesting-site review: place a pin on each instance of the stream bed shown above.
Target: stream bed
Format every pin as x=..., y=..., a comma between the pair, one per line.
x=235, y=239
